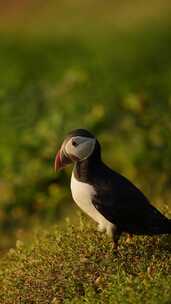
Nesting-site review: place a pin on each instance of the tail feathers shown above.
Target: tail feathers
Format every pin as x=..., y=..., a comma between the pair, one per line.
x=169, y=226
x=164, y=228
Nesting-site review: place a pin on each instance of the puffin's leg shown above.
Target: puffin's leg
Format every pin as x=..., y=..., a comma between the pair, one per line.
x=129, y=238
x=115, y=233
x=116, y=236
x=101, y=227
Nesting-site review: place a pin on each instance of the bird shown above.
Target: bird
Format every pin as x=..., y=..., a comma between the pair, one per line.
x=109, y=198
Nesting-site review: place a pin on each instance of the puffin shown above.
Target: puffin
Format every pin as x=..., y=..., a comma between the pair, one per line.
x=109, y=198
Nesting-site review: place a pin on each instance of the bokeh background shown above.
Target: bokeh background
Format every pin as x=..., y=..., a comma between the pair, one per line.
x=101, y=65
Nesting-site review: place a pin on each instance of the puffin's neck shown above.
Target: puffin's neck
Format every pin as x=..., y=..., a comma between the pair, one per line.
x=85, y=170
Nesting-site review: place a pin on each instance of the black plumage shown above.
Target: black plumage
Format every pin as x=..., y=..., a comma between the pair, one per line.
x=116, y=198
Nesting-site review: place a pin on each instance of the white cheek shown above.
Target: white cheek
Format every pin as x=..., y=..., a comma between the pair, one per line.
x=69, y=148
x=83, y=150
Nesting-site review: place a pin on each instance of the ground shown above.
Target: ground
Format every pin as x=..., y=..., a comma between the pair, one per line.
x=76, y=264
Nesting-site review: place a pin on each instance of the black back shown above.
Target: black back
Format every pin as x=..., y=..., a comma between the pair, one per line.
x=118, y=199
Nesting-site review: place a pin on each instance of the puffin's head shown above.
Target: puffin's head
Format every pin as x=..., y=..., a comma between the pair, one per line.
x=77, y=146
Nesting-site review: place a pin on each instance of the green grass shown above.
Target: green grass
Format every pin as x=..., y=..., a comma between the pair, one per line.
x=76, y=264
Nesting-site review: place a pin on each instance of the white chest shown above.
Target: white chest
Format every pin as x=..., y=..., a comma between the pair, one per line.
x=82, y=194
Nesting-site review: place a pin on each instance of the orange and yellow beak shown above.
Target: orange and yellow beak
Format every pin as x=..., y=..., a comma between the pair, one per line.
x=61, y=160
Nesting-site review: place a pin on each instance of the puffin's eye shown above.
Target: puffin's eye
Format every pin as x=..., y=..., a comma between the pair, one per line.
x=74, y=143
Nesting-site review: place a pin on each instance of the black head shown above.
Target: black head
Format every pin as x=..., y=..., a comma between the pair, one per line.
x=80, y=132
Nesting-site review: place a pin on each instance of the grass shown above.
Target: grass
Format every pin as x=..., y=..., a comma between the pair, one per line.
x=77, y=265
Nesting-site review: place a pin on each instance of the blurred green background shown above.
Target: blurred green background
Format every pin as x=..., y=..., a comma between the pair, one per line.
x=100, y=65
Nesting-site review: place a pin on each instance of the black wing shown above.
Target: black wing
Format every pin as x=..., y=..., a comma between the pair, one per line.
x=125, y=205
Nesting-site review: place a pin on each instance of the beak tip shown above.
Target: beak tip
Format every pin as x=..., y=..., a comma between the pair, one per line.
x=61, y=160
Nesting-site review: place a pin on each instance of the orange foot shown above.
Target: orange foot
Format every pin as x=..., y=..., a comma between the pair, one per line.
x=129, y=238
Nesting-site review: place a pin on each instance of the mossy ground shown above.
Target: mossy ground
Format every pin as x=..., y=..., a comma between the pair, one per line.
x=76, y=264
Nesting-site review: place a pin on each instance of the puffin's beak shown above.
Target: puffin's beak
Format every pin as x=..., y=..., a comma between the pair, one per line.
x=61, y=160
